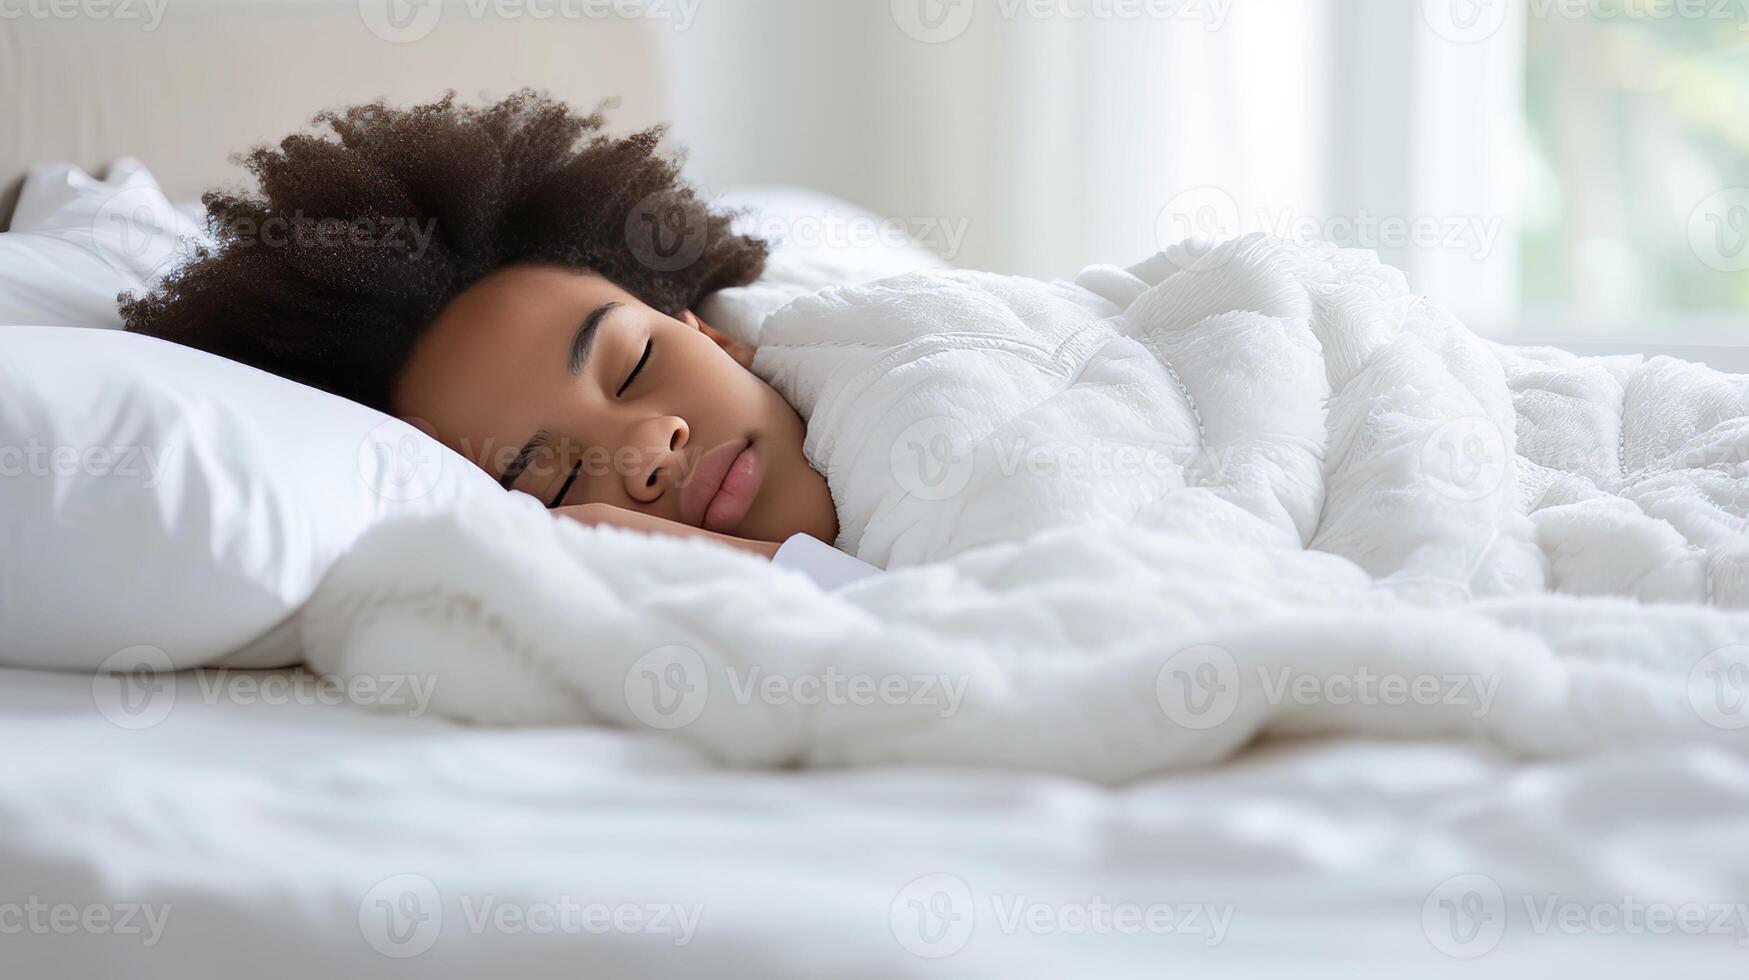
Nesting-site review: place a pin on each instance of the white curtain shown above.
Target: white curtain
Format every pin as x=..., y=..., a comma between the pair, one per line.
x=1062, y=132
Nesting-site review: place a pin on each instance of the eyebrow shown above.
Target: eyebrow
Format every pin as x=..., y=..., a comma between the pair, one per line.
x=581, y=343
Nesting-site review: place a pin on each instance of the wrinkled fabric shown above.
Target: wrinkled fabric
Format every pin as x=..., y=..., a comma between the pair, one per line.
x=1130, y=524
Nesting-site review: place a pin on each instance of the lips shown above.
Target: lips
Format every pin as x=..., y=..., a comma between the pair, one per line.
x=722, y=486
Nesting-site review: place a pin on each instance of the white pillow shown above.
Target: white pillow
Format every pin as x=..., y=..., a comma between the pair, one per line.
x=816, y=241
x=76, y=242
x=844, y=243
x=154, y=495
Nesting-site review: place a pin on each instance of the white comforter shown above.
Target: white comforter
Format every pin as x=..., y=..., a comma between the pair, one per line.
x=1133, y=522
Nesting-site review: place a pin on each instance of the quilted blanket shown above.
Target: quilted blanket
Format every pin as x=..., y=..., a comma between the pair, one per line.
x=1133, y=522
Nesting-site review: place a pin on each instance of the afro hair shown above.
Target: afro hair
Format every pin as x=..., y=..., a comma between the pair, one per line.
x=358, y=236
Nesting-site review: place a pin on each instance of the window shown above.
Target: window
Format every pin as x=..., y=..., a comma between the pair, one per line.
x=1636, y=194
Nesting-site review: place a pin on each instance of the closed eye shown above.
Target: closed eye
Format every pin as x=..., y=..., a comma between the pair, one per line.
x=649, y=345
x=565, y=487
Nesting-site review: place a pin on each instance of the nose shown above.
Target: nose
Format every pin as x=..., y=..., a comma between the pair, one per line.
x=659, y=464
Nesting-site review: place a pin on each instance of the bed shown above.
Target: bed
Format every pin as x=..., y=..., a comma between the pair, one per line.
x=234, y=822
x=271, y=826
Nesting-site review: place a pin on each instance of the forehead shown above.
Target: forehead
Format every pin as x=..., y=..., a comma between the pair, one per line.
x=477, y=374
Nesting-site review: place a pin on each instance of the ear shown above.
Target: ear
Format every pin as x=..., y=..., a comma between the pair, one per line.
x=742, y=353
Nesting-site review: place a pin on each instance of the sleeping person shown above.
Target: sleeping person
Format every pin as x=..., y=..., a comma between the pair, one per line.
x=524, y=332
x=1258, y=394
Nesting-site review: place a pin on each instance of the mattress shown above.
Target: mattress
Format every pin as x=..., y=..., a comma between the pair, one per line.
x=253, y=824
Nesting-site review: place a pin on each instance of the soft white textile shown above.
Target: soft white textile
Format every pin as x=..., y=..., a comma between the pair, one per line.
x=826, y=565
x=161, y=506
x=1333, y=531
x=291, y=837
x=76, y=242
x=1286, y=395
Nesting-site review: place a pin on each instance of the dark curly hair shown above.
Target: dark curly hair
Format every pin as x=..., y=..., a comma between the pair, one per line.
x=356, y=239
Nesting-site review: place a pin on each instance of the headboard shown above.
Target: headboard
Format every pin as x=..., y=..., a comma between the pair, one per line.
x=183, y=84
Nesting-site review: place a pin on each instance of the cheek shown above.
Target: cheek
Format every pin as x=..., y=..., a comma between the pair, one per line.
x=603, y=477
x=714, y=388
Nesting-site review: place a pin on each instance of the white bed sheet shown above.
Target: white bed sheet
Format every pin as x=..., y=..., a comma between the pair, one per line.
x=267, y=827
